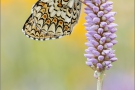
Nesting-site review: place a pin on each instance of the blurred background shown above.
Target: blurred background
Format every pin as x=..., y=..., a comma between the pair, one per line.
x=60, y=64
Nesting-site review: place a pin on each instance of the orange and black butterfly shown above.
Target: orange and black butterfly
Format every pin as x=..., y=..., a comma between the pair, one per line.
x=52, y=19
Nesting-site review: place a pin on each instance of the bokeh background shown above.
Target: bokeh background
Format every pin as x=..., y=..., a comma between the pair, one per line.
x=60, y=64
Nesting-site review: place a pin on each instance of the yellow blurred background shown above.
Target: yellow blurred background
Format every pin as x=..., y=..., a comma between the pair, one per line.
x=60, y=64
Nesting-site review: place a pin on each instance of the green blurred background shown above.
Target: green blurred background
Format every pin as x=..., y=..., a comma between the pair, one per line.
x=60, y=64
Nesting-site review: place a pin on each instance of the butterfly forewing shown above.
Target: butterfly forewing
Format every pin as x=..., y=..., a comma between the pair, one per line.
x=52, y=19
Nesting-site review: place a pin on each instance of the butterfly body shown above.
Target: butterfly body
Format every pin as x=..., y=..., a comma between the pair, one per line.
x=52, y=19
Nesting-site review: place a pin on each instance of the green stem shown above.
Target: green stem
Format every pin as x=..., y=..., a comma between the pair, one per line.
x=100, y=80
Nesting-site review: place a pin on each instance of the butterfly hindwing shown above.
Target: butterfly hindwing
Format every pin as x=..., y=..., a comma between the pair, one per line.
x=52, y=19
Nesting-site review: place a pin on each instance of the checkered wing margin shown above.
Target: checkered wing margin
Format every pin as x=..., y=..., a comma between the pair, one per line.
x=52, y=19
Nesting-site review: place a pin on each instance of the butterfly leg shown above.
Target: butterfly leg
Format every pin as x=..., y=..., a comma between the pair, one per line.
x=84, y=3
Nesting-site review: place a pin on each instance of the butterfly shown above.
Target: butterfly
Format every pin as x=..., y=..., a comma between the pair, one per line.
x=52, y=19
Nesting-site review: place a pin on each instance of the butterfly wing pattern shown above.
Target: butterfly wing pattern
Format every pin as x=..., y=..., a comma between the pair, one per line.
x=52, y=19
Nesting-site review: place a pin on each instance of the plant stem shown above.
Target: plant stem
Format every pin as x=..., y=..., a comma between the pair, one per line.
x=100, y=80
